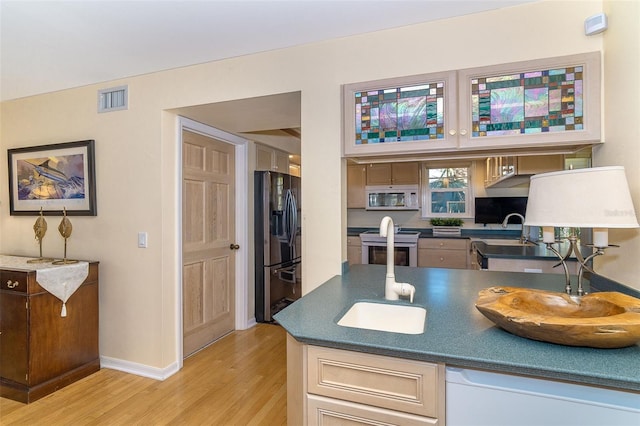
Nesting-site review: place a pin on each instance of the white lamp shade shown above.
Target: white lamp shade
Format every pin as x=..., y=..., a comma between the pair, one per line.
x=595, y=197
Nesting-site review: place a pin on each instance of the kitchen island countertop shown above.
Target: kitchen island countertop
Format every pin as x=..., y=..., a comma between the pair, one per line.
x=456, y=333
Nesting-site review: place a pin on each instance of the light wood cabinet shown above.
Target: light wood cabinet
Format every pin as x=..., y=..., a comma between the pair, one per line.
x=533, y=164
x=379, y=174
x=294, y=169
x=443, y=253
x=393, y=174
x=41, y=351
x=368, y=389
x=272, y=159
x=329, y=411
x=356, y=181
x=354, y=250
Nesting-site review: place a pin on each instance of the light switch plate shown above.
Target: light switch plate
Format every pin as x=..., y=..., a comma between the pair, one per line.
x=142, y=239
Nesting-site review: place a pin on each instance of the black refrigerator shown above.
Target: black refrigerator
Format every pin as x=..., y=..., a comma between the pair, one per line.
x=277, y=207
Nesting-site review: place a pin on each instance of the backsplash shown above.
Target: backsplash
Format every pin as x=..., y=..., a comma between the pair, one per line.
x=357, y=218
x=360, y=218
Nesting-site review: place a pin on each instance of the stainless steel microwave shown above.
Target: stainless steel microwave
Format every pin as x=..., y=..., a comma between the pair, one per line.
x=397, y=197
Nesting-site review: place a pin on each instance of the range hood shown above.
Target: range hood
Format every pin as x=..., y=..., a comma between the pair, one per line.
x=508, y=172
x=509, y=181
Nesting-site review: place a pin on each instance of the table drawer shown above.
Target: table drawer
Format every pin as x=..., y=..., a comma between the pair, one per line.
x=392, y=383
x=14, y=281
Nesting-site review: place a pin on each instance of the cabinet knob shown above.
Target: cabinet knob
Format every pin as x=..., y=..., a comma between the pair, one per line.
x=452, y=132
x=13, y=284
x=463, y=132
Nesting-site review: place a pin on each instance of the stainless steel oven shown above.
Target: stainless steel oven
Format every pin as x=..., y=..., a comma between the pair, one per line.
x=374, y=248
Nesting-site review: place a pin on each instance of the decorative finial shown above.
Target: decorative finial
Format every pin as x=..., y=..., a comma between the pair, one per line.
x=40, y=229
x=65, y=229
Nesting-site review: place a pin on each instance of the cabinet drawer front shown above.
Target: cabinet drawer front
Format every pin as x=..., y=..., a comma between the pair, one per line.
x=401, y=385
x=442, y=259
x=14, y=281
x=329, y=412
x=354, y=241
x=443, y=243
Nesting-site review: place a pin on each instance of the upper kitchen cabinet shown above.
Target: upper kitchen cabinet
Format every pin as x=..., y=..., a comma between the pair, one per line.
x=356, y=181
x=541, y=103
x=393, y=174
x=272, y=159
x=545, y=104
x=400, y=115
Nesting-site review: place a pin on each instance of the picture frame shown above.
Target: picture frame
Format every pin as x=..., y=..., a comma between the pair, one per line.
x=53, y=178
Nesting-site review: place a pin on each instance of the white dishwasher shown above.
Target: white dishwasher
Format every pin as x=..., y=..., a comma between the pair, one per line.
x=477, y=398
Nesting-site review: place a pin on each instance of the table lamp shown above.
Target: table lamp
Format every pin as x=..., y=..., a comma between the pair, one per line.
x=597, y=198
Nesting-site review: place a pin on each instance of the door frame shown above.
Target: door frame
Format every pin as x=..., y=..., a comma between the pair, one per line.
x=242, y=224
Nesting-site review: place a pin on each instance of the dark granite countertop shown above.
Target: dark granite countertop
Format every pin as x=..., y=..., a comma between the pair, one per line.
x=456, y=333
x=464, y=232
x=476, y=235
x=539, y=251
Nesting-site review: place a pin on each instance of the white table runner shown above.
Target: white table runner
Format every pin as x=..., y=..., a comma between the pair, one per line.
x=60, y=280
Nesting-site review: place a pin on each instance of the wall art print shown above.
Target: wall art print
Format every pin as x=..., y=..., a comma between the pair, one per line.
x=52, y=178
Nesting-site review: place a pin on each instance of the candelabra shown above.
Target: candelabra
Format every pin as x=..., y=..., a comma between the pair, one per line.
x=596, y=198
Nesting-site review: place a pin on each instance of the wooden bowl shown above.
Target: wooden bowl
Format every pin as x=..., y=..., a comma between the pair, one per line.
x=597, y=320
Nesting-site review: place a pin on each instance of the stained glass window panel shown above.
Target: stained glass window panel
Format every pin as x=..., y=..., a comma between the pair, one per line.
x=541, y=101
x=401, y=114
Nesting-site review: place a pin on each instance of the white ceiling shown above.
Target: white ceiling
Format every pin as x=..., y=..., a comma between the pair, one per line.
x=52, y=45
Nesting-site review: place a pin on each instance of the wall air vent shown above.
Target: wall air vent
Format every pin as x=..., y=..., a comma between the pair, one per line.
x=113, y=99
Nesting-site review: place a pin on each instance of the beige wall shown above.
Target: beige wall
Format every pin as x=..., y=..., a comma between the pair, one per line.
x=622, y=130
x=136, y=150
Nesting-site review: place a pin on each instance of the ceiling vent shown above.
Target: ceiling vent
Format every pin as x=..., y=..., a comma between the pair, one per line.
x=113, y=99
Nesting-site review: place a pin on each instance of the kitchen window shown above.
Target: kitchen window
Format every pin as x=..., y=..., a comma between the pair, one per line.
x=447, y=191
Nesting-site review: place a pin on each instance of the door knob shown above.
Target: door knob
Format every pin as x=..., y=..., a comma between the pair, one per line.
x=234, y=246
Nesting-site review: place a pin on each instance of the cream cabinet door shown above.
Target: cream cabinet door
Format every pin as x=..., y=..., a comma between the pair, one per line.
x=280, y=161
x=390, y=383
x=354, y=250
x=263, y=157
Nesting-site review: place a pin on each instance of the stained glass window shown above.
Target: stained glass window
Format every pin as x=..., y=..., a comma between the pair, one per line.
x=529, y=102
x=401, y=114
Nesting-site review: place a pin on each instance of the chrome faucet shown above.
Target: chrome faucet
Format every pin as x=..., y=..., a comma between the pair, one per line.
x=523, y=235
x=393, y=289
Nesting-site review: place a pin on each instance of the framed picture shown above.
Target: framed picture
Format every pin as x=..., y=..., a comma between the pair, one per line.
x=53, y=178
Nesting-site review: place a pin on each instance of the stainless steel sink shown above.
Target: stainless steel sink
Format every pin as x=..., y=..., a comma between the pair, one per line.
x=388, y=317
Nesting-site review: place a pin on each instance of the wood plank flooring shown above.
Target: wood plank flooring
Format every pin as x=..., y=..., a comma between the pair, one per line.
x=239, y=380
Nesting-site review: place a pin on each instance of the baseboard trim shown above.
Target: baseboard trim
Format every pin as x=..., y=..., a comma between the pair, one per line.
x=251, y=323
x=139, y=369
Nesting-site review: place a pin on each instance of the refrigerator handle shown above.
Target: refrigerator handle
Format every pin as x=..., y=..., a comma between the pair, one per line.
x=287, y=217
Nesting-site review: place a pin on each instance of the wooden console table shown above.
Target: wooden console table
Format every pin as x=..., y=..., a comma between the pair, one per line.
x=41, y=350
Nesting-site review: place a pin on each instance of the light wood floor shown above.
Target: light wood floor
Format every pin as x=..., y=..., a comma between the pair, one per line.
x=239, y=380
